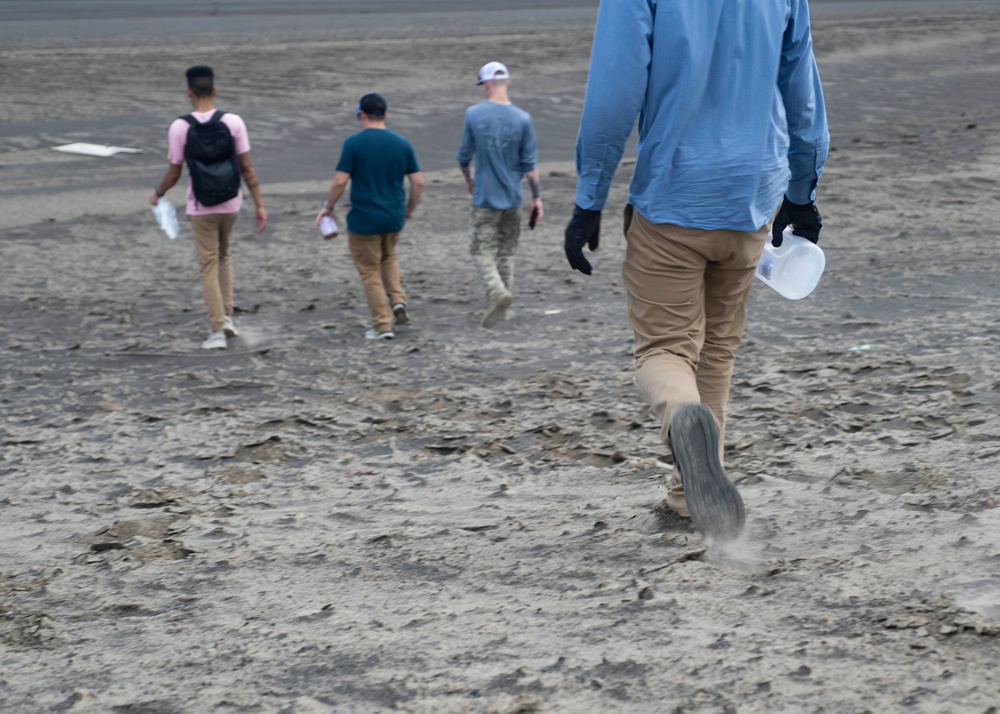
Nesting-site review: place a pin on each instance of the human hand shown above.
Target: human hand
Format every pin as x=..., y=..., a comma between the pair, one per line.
x=260, y=219
x=537, y=213
x=323, y=212
x=804, y=218
x=470, y=183
x=153, y=199
x=584, y=229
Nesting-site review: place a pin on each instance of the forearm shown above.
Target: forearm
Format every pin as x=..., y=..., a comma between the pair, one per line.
x=470, y=182
x=250, y=179
x=169, y=180
x=809, y=136
x=253, y=186
x=336, y=191
x=416, y=190
x=802, y=95
x=415, y=193
x=533, y=184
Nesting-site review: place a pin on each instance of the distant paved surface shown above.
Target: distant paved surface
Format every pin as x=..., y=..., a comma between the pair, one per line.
x=109, y=9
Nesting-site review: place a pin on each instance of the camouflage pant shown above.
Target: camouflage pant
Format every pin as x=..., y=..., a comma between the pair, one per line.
x=493, y=238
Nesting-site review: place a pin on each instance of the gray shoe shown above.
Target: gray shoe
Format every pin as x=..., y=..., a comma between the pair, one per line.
x=498, y=307
x=399, y=315
x=715, y=505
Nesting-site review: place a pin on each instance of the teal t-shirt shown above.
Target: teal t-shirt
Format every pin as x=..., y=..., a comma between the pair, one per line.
x=377, y=160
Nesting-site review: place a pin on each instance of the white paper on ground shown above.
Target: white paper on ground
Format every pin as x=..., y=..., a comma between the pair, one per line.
x=101, y=150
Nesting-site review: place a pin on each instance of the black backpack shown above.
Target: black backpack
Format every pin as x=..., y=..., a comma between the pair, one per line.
x=210, y=154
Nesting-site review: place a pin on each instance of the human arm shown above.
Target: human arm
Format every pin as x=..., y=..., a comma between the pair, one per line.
x=176, y=138
x=416, y=189
x=537, y=210
x=616, y=86
x=529, y=168
x=466, y=151
x=253, y=185
x=170, y=179
x=809, y=137
x=470, y=183
x=340, y=181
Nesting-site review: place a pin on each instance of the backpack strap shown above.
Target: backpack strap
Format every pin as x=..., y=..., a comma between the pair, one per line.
x=189, y=118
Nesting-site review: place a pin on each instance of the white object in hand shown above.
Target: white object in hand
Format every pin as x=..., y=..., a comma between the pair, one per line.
x=328, y=227
x=166, y=218
x=794, y=269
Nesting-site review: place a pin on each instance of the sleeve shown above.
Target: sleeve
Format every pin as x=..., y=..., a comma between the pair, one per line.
x=412, y=166
x=802, y=96
x=468, y=146
x=238, y=128
x=176, y=139
x=616, y=86
x=346, y=162
x=529, y=147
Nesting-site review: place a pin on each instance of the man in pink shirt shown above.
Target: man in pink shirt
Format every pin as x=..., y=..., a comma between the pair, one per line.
x=218, y=155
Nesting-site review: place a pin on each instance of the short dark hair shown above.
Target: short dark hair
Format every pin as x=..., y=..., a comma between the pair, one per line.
x=201, y=80
x=372, y=104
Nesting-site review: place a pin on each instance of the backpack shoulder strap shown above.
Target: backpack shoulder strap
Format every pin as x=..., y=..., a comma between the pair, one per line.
x=189, y=118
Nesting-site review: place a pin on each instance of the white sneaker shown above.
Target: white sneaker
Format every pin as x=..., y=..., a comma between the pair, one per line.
x=385, y=335
x=229, y=327
x=215, y=341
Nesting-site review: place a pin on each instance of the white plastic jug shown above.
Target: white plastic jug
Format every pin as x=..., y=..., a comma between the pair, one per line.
x=794, y=269
x=166, y=218
x=328, y=227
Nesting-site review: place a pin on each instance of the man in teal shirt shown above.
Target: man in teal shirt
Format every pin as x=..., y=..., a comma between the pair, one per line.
x=375, y=161
x=731, y=124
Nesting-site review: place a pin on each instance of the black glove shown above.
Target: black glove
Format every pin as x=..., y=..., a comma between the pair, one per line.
x=804, y=219
x=584, y=229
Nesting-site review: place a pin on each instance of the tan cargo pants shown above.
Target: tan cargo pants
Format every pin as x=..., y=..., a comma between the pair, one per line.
x=687, y=298
x=375, y=260
x=211, y=243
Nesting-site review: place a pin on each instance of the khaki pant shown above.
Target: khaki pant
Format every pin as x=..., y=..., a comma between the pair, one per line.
x=493, y=236
x=211, y=243
x=375, y=259
x=687, y=299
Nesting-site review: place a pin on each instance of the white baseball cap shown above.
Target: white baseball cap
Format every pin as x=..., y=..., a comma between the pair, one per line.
x=493, y=70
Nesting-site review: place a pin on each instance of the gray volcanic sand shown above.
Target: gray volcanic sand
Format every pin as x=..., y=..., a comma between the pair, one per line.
x=464, y=520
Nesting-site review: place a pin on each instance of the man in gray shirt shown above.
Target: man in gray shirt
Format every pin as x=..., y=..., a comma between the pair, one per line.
x=501, y=138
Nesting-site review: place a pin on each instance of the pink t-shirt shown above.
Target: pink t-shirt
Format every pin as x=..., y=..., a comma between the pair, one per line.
x=177, y=138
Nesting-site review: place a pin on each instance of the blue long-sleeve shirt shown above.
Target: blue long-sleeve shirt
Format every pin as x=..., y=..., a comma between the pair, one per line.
x=501, y=137
x=730, y=107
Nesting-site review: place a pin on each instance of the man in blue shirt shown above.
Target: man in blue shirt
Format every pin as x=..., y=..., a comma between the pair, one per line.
x=501, y=138
x=375, y=161
x=731, y=124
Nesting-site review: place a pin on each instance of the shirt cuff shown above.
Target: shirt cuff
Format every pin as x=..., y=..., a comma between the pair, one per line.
x=801, y=192
x=590, y=196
